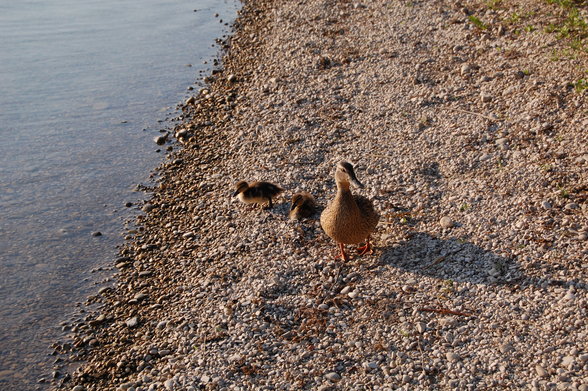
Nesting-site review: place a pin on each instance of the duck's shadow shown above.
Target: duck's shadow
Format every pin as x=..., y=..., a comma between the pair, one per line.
x=460, y=261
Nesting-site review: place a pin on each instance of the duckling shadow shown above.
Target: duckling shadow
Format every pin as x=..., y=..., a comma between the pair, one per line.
x=451, y=260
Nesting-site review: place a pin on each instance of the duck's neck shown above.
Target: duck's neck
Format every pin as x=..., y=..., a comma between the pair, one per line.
x=343, y=188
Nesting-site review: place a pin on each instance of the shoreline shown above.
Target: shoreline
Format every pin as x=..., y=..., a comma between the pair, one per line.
x=475, y=157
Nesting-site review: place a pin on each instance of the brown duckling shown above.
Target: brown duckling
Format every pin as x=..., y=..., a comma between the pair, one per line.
x=257, y=192
x=303, y=205
x=349, y=218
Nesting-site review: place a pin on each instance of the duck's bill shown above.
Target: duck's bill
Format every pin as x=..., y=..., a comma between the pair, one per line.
x=356, y=182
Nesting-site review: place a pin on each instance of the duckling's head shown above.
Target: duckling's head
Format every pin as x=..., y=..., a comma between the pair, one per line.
x=345, y=174
x=240, y=188
x=299, y=199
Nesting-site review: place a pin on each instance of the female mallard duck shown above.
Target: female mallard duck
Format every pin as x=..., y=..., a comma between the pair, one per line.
x=349, y=219
x=303, y=205
x=257, y=192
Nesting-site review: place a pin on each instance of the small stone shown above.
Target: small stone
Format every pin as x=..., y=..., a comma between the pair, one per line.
x=323, y=306
x=540, y=371
x=162, y=324
x=484, y=97
x=140, y=296
x=148, y=208
x=96, y=233
x=160, y=140
x=333, y=376
x=546, y=205
x=583, y=236
x=345, y=290
x=232, y=78
x=569, y=296
x=583, y=357
x=572, y=206
x=190, y=101
x=353, y=294
x=132, y=322
x=568, y=362
x=421, y=327
x=169, y=384
x=506, y=348
x=78, y=388
x=371, y=365
x=104, y=289
x=446, y=222
x=452, y=357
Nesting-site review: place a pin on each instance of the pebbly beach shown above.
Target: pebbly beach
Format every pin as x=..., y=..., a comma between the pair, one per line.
x=468, y=130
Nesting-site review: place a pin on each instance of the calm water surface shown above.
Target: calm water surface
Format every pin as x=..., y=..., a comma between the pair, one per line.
x=84, y=86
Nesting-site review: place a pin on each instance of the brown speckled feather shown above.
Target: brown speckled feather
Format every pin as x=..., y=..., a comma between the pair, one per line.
x=349, y=219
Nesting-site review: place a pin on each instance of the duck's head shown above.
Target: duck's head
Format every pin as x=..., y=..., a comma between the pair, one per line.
x=240, y=188
x=345, y=174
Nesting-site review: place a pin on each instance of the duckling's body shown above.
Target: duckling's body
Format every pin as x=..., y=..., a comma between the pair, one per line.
x=257, y=192
x=303, y=206
x=349, y=219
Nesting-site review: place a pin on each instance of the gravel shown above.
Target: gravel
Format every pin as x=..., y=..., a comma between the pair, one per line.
x=439, y=122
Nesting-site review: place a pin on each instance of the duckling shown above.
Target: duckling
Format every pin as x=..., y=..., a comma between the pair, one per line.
x=303, y=205
x=349, y=218
x=257, y=192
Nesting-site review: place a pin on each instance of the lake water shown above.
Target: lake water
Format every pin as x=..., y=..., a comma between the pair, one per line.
x=84, y=88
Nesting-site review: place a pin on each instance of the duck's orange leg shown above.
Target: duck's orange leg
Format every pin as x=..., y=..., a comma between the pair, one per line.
x=342, y=256
x=367, y=248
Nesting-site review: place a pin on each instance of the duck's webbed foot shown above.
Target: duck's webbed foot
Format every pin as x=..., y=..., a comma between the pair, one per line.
x=366, y=248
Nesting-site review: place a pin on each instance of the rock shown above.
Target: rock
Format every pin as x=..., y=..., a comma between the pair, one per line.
x=132, y=322
x=572, y=206
x=148, y=208
x=421, y=327
x=104, y=289
x=583, y=357
x=160, y=140
x=371, y=365
x=190, y=101
x=96, y=233
x=568, y=362
x=232, y=78
x=485, y=97
x=540, y=371
x=169, y=384
x=162, y=324
x=583, y=236
x=140, y=296
x=345, y=290
x=546, y=205
x=78, y=388
x=446, y=222
x=333, y=377
x=353, y=294
x=506, y=348
x=452, y=357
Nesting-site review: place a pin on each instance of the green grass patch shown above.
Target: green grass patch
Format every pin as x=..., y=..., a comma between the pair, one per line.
x=477, y=22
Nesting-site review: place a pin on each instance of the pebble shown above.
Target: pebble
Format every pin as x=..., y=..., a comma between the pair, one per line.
x=540, y=371
x=446, y=222
x=78, y=388
x=452, y=357
x=132, y=322
x=485, y=97
x=169, y=384
x=421, y=327
x=333, y=377
x=353, y=294
x=546, y=205
x=568, y=362
x=96, y=233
